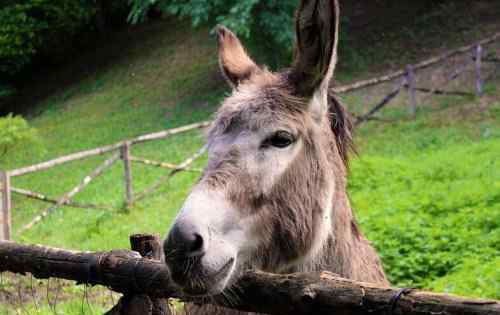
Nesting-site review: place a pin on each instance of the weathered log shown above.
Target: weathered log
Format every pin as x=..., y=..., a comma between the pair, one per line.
x=421, y=65
x=105, y=149
x=41, y=197
x=304, y=293
x=66, y=197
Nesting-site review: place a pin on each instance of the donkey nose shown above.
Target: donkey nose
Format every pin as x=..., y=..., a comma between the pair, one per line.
x=186, y=239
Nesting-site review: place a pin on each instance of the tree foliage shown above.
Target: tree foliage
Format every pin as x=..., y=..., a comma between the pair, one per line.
x=271, y=19
x=26, y=27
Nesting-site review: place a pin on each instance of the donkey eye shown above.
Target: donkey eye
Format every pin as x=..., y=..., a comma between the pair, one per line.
x=280, y=139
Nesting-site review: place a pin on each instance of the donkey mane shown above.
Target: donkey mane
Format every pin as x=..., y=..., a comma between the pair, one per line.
x=342, y=128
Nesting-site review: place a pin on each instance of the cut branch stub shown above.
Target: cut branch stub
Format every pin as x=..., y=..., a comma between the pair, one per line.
x=148, y=246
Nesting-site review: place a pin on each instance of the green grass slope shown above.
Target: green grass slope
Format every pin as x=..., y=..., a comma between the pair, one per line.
x=426, y=192
x=167, y=80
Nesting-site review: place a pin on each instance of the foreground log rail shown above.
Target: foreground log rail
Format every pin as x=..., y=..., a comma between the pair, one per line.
x=325, y=293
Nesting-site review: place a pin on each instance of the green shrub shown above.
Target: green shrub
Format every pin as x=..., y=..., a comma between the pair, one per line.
x=16, y=133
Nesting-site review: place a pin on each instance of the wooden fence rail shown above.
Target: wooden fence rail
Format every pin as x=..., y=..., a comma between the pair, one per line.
x=106, y=149
x=304, y=293
x=69, y=203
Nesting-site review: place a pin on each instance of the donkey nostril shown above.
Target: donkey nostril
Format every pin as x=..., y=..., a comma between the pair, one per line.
x=196, y=245
x=186, y=240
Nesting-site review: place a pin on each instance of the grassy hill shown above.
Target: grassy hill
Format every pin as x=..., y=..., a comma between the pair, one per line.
x=426, y=191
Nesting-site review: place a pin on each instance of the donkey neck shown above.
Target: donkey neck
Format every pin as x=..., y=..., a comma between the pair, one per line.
x=346, y=251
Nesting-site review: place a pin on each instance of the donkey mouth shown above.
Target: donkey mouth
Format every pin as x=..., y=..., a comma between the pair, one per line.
x=211, y=284
x=224, y=271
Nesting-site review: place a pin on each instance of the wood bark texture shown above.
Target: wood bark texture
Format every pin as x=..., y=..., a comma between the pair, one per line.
x=324, y=293
x=149, y=247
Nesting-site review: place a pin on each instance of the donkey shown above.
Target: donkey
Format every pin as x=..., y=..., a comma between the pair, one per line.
x=273, y=195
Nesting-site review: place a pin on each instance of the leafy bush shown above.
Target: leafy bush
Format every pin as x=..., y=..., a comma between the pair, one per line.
x=15, y=132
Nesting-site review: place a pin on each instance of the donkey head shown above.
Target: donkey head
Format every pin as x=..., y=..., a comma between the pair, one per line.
x=275, y=160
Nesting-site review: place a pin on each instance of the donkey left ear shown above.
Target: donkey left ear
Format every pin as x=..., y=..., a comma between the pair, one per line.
x=317, y=28
x=235, y=63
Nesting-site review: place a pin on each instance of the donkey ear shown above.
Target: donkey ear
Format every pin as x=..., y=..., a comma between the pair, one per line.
x=317, y=27
x=234, y=61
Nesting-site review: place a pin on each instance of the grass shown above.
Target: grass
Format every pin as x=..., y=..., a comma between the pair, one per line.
x=425, y=191
x=427, y=194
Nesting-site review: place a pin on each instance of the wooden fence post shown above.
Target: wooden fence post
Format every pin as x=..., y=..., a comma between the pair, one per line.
x=5, y=205
x=129, y=193
x=410, y=81
x=479, y=82
x=149, y=247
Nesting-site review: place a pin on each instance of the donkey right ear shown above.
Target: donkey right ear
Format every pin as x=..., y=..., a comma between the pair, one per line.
x=234, y=61
x=317, y=28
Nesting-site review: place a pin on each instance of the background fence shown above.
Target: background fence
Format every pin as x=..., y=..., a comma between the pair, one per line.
x=119, y=151
x=438, y=76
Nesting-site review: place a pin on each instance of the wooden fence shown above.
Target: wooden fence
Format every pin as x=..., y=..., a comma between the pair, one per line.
x=145, y=284
x=121, y=150
x=477, y=56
